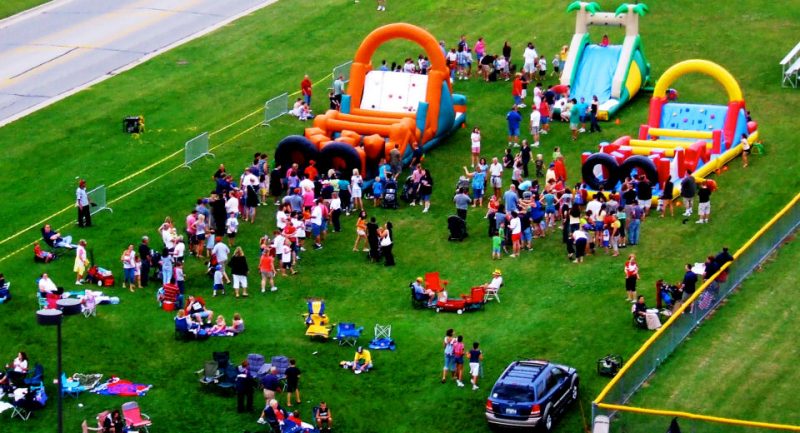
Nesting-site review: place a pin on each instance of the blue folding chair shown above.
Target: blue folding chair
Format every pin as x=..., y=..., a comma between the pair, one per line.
x=347, y=333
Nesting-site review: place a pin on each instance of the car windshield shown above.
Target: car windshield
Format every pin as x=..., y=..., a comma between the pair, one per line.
x=514, y=393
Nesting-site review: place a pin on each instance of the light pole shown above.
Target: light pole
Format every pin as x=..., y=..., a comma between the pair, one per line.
x=52, y=317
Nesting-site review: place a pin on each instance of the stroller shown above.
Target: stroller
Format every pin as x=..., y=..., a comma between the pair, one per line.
x=473, y=301
x=409, y=192
x=389, y=199
x=457, y=227
x=666, y=295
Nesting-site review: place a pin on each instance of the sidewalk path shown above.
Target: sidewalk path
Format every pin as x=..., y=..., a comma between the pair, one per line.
x=65, y=46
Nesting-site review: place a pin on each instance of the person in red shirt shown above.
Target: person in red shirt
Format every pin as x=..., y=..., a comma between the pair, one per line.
x=311, y=171
x=516, y=90
x=560, y=169
x=544, y=110
x=305, y=87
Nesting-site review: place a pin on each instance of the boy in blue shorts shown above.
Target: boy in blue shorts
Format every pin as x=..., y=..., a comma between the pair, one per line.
x=377, y=192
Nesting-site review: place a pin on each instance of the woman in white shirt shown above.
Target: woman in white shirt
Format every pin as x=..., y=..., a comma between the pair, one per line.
x=355, y=190
x=475, y=138
x=128, y=266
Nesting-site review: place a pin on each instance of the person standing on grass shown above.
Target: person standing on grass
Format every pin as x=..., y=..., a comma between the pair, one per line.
x=636, y=217
x=83, y=205
x=631, y=277
x=745, y=150
x=338, y=89
x=305, y=89
x=361, y=232
x=387, y=244
x=449, y=358
x=425, y=189
x=689, y=283
x=381, y=5
x=688, y=191
x=514, y=118
x=239, y=272
x=462, y=202
x=704, y=202
x=231, y=228
x=594, y=127
x=266, y=266
x=128, y=260
x=495, y=176
x=478, y=185
x=145, y=253
x=475, y=359
x=292, y=383
x=220, y=252
x=475, y=139
x=458, y=357
x=81, y=262
x=666, y=198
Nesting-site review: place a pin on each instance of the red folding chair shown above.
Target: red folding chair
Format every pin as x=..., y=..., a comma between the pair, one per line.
x=434, y=282
x=134, y=418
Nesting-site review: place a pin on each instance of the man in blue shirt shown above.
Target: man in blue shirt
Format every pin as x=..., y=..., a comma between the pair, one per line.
x=511, y=199
x=271, y=384
x=514, y=118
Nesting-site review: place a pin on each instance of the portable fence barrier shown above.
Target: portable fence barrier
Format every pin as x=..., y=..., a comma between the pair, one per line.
x=342, y=70
x=98, y=199
x=276, y=107
x=195, y=149
x=612, y=400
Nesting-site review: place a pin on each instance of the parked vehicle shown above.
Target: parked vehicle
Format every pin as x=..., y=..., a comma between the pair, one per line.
x=532, y=394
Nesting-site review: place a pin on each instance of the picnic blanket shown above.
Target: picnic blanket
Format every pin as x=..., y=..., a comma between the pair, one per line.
x=121, y=387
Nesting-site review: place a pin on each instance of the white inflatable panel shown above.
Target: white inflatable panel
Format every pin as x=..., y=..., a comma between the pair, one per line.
x=396, y=92
x=373, y=84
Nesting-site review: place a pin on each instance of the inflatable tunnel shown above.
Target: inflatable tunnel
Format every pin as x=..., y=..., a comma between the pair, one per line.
x=678, y=137
x=613, y=73
x=382, y=110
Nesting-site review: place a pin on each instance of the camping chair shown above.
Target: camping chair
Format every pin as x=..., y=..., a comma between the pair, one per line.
x=134, y=418
x=35, y=379
x=27, y=400
x=210, y=373
x=316, y=320
x=383, y=338
x=348, y=334
x=5, y=293
x=89, y=306
x=257, y=367
x=71, y=387
x=492, y=293
x=433, y=282
x=228, y=379
x=280, y=363
x=223, y=359
x=100, y=419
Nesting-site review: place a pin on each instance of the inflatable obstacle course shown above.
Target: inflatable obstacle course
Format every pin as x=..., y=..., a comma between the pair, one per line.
x=678, y=137
x=381, y=110
x=613, y=73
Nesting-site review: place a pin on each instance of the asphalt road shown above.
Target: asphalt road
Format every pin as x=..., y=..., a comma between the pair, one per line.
x=64, y=46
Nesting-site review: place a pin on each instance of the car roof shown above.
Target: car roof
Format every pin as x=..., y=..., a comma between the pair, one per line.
x=523, y=373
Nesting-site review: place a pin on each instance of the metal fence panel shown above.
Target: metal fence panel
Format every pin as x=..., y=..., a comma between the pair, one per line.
x=276, y=107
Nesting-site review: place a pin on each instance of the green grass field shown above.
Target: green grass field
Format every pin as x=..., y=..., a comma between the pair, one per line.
x=738, y=365
x=550, y=307
x=11, y=7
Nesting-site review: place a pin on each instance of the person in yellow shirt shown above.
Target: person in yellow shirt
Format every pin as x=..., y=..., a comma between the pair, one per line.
x=362, y=361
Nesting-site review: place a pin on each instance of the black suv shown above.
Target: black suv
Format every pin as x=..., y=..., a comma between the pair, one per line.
x=531, y=394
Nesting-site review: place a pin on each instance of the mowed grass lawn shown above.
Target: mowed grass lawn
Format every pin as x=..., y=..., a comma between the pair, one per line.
x=741, y=364
x=11, y=7
x=550, y=307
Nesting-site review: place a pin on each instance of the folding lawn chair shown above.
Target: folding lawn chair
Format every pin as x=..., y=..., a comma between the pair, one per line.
x=347, y=333
x=27, y=400
x=383, y=338
x=210, y=373
x=257, y=367
x=434, y=282
x=228, y=379
x=89, y=306
x=5, y=293
x=71, y=387
x=316, y=320
x=280, y=363
x=134, y=418
x=35, y=379
x=492, y=293
x=100, y=418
